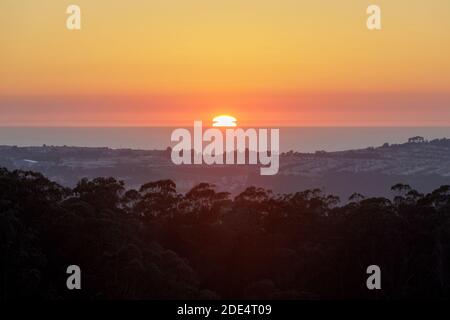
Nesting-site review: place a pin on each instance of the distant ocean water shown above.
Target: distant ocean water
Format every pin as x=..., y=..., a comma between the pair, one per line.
x=303, y=139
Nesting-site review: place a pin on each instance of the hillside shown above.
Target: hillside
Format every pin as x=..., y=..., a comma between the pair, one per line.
x=370, y=171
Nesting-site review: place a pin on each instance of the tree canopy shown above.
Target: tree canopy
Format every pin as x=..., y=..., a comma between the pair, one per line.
x=154, y=243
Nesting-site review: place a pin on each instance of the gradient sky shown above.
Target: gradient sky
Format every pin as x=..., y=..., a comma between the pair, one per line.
x=267, y=62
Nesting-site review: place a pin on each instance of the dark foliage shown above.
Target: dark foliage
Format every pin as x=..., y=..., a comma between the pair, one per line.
x=155, y=243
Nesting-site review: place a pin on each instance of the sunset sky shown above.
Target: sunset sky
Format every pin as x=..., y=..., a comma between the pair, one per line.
x=266, y=62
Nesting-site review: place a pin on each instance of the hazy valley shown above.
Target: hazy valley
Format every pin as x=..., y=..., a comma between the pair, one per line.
x=371, y=171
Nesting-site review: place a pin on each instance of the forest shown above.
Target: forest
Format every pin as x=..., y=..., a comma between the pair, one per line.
x=156, y=243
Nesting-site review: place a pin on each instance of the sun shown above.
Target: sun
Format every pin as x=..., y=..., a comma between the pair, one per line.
x=224, y=121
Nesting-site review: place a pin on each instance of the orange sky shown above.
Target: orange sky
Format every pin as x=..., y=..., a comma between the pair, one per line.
x=267, y=62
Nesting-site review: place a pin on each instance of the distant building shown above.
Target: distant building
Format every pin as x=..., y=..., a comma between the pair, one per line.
x=416, y=140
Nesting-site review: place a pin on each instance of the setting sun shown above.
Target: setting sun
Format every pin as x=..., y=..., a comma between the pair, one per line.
x=224, y=121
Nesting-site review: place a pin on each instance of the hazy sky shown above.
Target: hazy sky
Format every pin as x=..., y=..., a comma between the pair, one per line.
x=277, y=62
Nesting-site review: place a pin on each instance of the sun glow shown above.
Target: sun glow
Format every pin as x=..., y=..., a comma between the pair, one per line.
x=224, y=121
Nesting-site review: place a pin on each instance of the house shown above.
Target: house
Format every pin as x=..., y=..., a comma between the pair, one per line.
x=416, y=139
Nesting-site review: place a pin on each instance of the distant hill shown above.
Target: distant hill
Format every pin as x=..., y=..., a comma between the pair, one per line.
x=425, y=165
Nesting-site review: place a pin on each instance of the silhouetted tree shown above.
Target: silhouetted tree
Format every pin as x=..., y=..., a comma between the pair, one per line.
x=154, y=243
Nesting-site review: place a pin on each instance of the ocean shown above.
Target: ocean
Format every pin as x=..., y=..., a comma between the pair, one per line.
x=301, y=139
